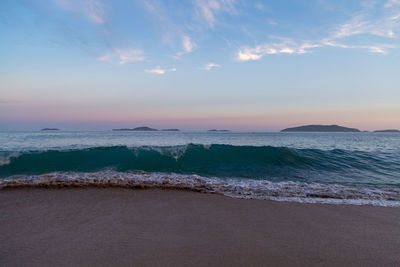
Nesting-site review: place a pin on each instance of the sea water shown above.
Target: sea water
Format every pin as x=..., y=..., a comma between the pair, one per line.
x=350, y=168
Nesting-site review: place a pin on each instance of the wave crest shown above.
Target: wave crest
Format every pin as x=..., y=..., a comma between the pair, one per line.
x=264, y=162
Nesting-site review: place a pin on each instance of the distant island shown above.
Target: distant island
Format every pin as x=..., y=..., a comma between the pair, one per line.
x=216, y=130
x=142, y=128
x=145, y=128
x=387, y=131
x=320, y=128
x=50, y=129
x=170, y=130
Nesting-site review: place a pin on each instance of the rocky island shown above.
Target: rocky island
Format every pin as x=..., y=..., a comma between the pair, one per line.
x=320, y=128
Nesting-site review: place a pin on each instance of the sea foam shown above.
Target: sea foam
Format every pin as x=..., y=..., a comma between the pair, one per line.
x=236, y=188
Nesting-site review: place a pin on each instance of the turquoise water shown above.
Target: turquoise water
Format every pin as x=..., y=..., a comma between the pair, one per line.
x=333, y=161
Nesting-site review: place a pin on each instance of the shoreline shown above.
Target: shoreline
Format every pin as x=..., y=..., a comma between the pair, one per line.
x=115, y=226
x=284, y=191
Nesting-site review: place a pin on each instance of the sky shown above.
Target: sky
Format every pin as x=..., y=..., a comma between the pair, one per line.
x=199, y=64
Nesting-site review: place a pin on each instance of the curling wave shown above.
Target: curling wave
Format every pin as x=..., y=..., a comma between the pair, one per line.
x=276, y=164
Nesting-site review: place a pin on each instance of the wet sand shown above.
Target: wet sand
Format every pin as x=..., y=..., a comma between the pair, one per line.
x=125, y=227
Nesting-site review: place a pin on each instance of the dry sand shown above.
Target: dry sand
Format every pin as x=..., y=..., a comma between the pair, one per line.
x=124, y=227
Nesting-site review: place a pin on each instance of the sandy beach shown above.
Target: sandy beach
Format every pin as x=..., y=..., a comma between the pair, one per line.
x=125, y=227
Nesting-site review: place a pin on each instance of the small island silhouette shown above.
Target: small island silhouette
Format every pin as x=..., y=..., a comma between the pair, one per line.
x=145, y=128
x=387, y=131
x=50, y=129
x=320, y=128
x=170, y=130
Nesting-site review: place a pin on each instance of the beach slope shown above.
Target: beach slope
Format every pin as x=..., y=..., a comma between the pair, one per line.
x=125, y=227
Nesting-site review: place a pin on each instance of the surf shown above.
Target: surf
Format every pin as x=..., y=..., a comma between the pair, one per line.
x=235, y=188
x=216, y=160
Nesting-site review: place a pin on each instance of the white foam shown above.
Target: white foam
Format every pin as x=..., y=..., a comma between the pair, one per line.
x=5, y=157
x=247, y=189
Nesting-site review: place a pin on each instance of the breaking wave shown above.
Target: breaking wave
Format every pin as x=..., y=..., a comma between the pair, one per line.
x=224, y=161
x=260, y=172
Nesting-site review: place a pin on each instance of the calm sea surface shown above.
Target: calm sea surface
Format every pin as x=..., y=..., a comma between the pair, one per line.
x=18, y=141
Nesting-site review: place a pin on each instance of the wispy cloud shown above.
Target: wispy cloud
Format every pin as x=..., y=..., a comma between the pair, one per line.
x=188, y=44
x=362, y=23
x=386, y=25
x=122, y=56
x=209, y=8
x=211, y=65
x=179, y=27
x=92, y=9
x=95, y=11
x=172, y=32
x=158, y=70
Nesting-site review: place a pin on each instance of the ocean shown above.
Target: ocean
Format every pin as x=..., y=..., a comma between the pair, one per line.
x=338, y=168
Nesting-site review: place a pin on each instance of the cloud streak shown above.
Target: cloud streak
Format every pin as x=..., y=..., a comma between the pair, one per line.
x=284, y=47
x=211, y=66
x=158, y=70
x=122, y=56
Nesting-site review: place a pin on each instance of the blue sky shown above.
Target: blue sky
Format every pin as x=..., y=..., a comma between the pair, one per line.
x=199, y=64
